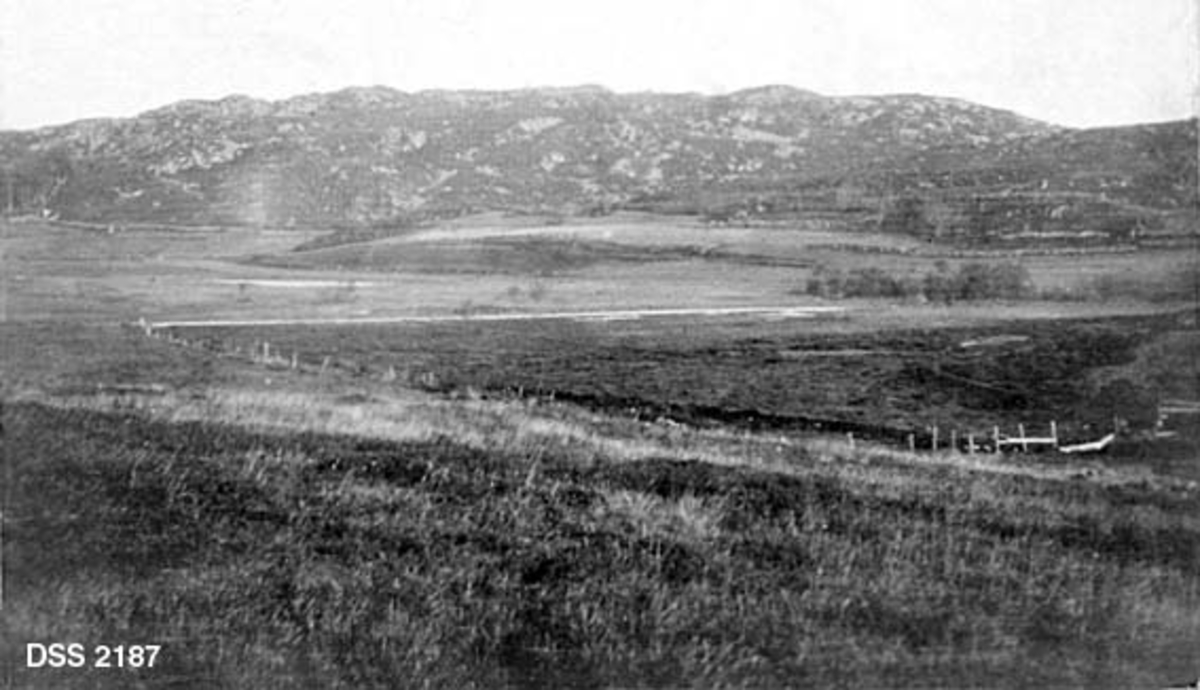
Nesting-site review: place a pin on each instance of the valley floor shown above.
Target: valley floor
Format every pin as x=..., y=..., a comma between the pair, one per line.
x=271, y=529
x=337, y=520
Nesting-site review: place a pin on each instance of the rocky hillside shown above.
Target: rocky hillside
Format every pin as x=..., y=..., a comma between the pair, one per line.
x=376, y=156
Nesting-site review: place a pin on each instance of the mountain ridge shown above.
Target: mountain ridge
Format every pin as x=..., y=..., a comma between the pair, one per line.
x=766, y=93
x=377, y=155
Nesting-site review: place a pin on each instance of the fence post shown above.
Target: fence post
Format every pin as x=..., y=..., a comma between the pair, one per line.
x=912, y=443
x=934, y=443
x=1024, y=443
x=996, y=438
x=850, y=439
x=1054, y=432
x=970, y=444
x=954, y=439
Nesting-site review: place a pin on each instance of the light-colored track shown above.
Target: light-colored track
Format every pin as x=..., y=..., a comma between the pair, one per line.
x=784, y=312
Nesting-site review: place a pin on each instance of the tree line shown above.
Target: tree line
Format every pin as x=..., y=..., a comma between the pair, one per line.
x=972, y=281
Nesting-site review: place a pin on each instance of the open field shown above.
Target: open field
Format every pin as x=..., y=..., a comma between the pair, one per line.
x=646, y=230
x=57, y=272
x=796, y=375
x=547, y=250
x=341, y=532
x=501, y=545
x=764, y=312
x=571, y=502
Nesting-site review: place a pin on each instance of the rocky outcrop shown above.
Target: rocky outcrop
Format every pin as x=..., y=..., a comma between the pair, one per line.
x=374, y=155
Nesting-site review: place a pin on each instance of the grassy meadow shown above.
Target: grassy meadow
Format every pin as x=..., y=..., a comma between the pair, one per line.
x=545, y=559
x=276, y=528
x=57, y=272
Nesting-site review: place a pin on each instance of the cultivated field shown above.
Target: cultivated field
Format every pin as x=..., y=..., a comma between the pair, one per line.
x=567, y=502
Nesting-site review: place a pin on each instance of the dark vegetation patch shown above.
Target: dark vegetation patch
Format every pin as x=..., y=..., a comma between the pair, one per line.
x=881, y=385
x=518, y=256
x=972, y=281
x=338, y=561
x=396, y=226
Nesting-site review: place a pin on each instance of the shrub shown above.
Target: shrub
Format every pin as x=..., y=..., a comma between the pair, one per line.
x=873, y=282
x=973, y=281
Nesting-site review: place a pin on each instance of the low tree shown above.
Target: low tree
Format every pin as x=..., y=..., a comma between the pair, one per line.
x=873, y=282
x=938, y=285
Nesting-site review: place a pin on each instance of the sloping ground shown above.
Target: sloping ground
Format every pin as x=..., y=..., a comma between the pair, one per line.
x=268, y=560
x=378, y=157
x=1168, y=364
x=519, y=255
x=492, y=544
x=650, y=235
x=267, y=536
x=894, y=383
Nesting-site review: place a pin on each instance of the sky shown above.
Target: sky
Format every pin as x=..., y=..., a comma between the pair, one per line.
x=1078, y=63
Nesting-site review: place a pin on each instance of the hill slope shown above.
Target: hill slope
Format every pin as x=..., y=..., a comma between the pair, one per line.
x=367, y=156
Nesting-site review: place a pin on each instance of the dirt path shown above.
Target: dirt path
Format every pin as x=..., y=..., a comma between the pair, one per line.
x=785, y=312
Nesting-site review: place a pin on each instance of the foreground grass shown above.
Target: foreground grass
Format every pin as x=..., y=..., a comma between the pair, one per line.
x=273, y=560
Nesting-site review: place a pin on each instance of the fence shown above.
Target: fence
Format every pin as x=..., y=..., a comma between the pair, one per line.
x=933, y=438
x=994, y=441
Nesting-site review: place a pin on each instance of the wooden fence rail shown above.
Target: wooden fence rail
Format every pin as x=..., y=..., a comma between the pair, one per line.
x=969, y=441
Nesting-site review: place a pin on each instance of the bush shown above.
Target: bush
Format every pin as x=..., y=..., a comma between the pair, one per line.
x=815, y=287
x=974, y=281
x=991, y=281
x=874, y=282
